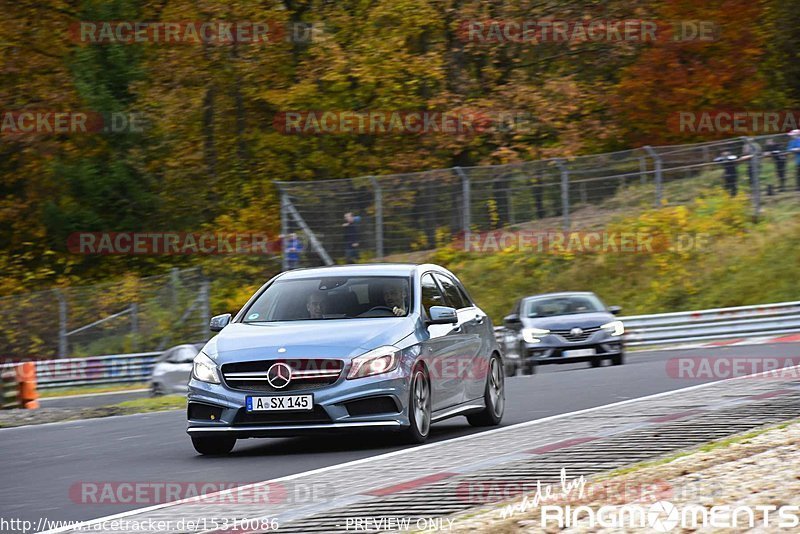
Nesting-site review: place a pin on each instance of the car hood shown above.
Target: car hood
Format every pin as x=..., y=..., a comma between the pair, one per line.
x=567, y=322
x=333, y=338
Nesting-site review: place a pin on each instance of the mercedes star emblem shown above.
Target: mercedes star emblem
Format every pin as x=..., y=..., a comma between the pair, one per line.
x=279, y=375
x=576, y=331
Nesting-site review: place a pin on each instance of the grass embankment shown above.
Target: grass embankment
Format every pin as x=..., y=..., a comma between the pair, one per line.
x=735, y=262
x=12, y=418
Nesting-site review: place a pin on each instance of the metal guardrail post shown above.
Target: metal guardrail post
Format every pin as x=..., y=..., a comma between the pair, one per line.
x=466, y=221
x=659, y=179
x=376, y=187
x=564, y=193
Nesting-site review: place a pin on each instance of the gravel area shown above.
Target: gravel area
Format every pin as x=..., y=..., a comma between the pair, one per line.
x=755, y=470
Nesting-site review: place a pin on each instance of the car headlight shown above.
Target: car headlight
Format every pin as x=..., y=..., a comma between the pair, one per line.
x=615, y=328
x=375, y=362
x=532, y=335
x=204, y=369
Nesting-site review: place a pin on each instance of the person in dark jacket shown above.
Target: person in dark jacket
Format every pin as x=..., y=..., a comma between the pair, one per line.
x=351, y=237
x=729, y=162
x=794, y=147
x=773, y=150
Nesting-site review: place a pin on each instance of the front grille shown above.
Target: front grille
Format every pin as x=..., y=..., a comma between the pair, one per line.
x=317, y=415
x=576, y=338
x=307, y=374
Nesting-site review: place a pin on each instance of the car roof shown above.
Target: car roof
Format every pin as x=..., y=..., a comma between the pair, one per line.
x=560, y=294
x=362, y=269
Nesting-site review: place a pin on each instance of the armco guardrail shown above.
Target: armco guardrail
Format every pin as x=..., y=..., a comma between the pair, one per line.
x=113, y=369
x=657, y=329
x=708, y=325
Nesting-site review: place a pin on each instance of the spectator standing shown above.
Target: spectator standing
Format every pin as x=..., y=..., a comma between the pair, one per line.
x=773, y=150
x=292, y=249
x=794, y=146
x=351, y=237
x=729, y=162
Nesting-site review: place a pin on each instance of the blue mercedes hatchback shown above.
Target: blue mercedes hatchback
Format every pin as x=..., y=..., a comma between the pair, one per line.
x=351, y=348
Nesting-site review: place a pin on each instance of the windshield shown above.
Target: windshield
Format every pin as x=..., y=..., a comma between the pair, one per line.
x=562, y=305
x=331, y=298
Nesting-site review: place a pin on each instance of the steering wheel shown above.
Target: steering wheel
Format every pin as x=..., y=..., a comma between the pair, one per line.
x=374, y=308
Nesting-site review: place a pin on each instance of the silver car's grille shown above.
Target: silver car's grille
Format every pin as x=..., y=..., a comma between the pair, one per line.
x=573, y=336
x=306, y=374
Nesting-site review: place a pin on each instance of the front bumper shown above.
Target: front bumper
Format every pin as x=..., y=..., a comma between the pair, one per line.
x=333, y=409
x=552, y=349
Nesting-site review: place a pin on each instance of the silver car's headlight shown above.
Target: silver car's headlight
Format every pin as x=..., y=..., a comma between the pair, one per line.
x=615, y=328
x=375, y=362
x=532, y=335
x=205, y=369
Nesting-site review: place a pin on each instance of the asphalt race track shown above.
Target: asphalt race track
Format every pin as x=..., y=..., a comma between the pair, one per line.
x=41, y=463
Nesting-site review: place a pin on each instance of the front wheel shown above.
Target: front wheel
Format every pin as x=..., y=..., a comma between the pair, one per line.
x=619, y=359
x=494, y=397
x=419, y=408
x=212, y=445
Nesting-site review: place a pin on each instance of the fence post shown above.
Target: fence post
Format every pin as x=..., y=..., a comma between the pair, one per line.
x=63, y=343
x=659, y=177
x=205, y=306
x=376, y=187
x=135, y=326
x=643, y=170
x=284, y=230
x=754, y=150
x=466, y=221
x=564, y=192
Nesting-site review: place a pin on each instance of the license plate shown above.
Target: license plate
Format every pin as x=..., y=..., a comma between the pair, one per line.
x=579, y=353
x=280, y=403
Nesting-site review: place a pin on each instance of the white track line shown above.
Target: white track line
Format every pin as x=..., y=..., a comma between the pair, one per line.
x=395, y=453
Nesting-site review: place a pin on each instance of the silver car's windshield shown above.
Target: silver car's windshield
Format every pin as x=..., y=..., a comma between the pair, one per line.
x=562, y=305
x=320, y=298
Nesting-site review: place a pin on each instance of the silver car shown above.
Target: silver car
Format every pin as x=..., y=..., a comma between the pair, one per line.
x=391, y=347
x=172, y=370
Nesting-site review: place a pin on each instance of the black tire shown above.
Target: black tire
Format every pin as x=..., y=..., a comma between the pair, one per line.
x=510, y=369
x=155, y=390
x=419, y=407
x=494, y=397
x=619, y=359
x=596, y=362
x=529, y=368
x=212, y=445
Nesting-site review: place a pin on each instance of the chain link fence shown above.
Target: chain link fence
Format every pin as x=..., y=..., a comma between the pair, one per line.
x=404, y=213
x=129, y=315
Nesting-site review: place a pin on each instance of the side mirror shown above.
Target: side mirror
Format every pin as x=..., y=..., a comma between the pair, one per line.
x=443, y=315
x=218, y=322
x=511, y=320
x=615, y=310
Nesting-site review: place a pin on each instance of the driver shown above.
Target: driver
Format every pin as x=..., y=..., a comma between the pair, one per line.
x=315, y=305
x=395, y=295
